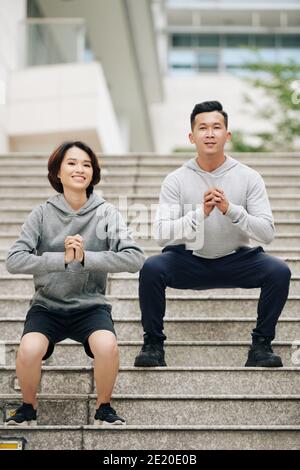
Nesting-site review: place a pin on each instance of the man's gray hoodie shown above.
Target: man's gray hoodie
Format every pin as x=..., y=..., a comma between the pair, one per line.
x=180, y=217
x=108, y=248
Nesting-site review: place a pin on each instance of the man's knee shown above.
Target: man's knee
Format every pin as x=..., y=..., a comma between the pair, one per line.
x=153, y=266
x=280, y=272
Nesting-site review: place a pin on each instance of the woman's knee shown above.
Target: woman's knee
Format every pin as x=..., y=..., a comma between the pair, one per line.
x=32, y=348
x=103, y=343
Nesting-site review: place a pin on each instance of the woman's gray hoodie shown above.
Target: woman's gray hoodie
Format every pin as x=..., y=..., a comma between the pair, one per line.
x=108, y=248
x=180, y=216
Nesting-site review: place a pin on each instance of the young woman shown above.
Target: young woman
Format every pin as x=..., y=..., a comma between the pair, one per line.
x=69, y=244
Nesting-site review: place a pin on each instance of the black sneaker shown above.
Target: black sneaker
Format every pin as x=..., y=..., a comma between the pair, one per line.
x=105, y=414
x=25, y=415
x=152, y=354
x=261, y=355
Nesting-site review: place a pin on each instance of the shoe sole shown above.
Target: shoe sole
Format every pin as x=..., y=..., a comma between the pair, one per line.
x=98, y=422
x=263, y=364
x=148, y=364
x=31, y=423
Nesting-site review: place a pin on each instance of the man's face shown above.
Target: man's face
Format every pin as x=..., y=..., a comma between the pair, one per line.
x=209, y=133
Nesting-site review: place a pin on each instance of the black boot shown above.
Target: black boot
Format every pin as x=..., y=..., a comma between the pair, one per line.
x=261, y=354
x=152, y=354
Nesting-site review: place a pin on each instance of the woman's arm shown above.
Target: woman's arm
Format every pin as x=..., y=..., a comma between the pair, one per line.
x=22, y=257
x=124, y=254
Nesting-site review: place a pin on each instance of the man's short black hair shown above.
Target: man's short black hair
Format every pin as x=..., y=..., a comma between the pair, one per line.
x=207, y=107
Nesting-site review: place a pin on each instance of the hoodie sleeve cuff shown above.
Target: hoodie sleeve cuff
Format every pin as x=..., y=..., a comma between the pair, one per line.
x=91, y=260
x=55, y=261
x=198, y=216
x=234, y=212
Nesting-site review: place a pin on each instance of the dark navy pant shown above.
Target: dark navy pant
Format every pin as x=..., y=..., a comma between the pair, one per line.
x=247, y=268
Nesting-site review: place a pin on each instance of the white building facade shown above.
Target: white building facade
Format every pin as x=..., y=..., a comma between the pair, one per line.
x=207, y=43
x=78, y=70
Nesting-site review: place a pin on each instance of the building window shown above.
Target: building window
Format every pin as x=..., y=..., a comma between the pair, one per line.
x=290, y=41
x=206, y=52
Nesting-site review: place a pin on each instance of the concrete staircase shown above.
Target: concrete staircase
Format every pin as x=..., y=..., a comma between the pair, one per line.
x=205, y=398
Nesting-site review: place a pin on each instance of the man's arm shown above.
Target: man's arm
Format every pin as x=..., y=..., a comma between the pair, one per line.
x=256, y=220
x=172, y=226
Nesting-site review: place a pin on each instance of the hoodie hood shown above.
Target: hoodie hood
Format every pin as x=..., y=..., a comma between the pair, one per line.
x=60, y=203
x=221, y=170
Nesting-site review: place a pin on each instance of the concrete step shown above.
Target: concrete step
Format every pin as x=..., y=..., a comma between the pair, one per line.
x=123, y=284
x=150, y=155
x=13, y=197
x=43, y=191
x=166, y=437
x=148, y=183
x=168, y=409
x=165, y=166
x=231, y=437
x=179, y=329
x=178, y=353
x=172, y=159
x=152, y=161
x=126, y=284
x=110, y=186
x=19, y=197
x=177, y=306
x=168, y=380
x=140, y=156
x=133, y=205
x=56, y=409
x=110, y=183
x=155, y=167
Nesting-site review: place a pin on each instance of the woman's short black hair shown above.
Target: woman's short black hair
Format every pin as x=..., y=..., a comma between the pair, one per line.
x=56, y=158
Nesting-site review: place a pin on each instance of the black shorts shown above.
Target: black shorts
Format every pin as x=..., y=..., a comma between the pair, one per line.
x=77, y=325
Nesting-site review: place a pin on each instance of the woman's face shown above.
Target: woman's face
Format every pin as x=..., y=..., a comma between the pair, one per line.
x=76, y=171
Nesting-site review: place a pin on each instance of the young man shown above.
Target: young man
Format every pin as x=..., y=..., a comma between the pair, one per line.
x=208, y=210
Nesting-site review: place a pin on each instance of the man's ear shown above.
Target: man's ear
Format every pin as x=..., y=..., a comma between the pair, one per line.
x=191, y=137
x=228, y=137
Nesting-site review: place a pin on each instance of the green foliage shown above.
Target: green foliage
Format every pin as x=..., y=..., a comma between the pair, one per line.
x=184, y=149
x=281, y=85
x=239, y=143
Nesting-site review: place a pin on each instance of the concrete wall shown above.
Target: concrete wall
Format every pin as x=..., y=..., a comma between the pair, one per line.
x=11, y=13
x=54, y=103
